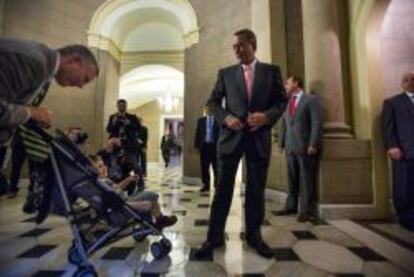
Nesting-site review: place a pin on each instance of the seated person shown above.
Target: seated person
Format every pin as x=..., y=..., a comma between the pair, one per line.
x=144, y=201
x=110, y=157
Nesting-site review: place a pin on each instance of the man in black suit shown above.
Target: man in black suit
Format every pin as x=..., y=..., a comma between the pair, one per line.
x=301, y=135
x=126, y=127
x=254, y=100
x=206, y=136
x=143, y=146
x=398, y=134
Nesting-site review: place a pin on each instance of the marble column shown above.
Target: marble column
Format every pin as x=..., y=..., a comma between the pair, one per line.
x=323, y=74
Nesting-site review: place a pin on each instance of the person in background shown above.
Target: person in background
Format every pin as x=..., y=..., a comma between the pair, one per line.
x=143, y=146
x=179, y=139
x=301, y=137
x=205, y=141
x=397, y=122
x=167, y=143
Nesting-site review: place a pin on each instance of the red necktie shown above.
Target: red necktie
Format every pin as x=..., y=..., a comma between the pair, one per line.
x=292, y=106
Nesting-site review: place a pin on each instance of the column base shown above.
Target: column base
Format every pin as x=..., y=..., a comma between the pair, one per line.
x=337, y=130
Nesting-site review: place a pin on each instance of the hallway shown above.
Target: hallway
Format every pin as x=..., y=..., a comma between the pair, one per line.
x=335, y=248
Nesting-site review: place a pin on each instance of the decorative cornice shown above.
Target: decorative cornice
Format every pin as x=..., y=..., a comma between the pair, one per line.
x=106, y=44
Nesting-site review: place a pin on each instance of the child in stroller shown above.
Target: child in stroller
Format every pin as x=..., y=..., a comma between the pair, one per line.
x=73, y=178
x=145, y=201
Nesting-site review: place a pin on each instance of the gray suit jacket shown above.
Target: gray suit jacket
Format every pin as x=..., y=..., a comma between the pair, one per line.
x=24, y=67
x=268, y=96
x=304, y=129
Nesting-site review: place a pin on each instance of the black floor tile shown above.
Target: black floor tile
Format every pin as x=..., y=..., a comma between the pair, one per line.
x=285, y=254
x=203, y=206
x=117, y=253
x=367, y=254
x=206, y=259
x=183, y=213
x=305, y=235
x=35, y=232
x=167, y=195
x=185, y=199
x=250, y=275
x=49, y=273
x=37, y=251
x=201, y=222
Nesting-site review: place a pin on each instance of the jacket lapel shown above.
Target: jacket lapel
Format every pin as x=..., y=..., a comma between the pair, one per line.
x=257, y=79
x=300, y=105
x=407, y=102
x=240, y=82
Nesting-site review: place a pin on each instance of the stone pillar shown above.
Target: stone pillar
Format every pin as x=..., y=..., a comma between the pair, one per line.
x=323, y=72
x=2, y=6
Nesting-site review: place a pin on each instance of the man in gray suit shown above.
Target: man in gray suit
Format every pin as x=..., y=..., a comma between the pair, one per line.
x=398, y=132
x=26, y=70
x=300, y=135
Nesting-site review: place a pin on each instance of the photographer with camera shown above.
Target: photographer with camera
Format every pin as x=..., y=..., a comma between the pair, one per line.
x=125, y=127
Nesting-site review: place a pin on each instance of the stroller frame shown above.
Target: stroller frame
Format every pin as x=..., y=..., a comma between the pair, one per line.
x=79, y=252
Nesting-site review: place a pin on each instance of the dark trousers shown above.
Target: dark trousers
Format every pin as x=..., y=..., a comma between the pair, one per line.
x=143, y=160
x=256, y=168
x=3, y=181
x=403, y=191
x=166, y=156
x=18, y=157
x=302, y=178
x=208, y=157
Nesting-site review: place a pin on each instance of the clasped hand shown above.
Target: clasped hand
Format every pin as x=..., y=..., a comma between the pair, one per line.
x=254, y=121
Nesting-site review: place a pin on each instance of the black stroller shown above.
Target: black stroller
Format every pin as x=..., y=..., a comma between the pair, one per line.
x=76, y=178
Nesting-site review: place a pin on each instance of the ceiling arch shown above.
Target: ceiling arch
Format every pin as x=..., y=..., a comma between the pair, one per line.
x=146, y=83
x=116, y=22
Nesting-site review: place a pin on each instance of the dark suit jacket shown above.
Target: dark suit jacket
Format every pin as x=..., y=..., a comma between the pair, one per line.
x=268, y=96
x=304, y=129
x=24, y=68
x=131, y=131
x=201, y=130
x=143, y=136
x=398, y=124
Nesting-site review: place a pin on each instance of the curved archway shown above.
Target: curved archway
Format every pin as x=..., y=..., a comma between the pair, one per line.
x=115, y=20
x=146, y=83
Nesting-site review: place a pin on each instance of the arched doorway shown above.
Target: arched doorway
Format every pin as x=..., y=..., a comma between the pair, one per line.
x=146, y=40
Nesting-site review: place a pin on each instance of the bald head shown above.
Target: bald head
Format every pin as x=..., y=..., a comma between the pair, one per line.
x=407, y=82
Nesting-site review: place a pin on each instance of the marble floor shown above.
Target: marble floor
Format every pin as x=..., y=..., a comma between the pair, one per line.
x=334, y=248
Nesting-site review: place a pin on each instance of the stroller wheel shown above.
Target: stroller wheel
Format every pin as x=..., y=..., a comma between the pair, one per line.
x=139, y=237
x=166, y=243
x=158, y=250
x=74, y=257
x=86, y=271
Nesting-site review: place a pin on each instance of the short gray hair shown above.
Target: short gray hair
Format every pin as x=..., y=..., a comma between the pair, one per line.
x=82, y=51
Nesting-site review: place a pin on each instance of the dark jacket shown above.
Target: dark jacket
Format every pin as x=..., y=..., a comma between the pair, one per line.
x=201, y=130
x=268, y=96
x=127, y=128
x=397, y=122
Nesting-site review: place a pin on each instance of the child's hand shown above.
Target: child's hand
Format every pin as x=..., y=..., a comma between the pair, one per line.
x=133, y=178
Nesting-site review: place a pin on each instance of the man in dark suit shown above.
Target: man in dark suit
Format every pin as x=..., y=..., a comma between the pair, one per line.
x=398, y=134
x=26, y=70
x=254, y=99
x=301, y=135
x=143, y=146
x=126, y=127
x=205, y=140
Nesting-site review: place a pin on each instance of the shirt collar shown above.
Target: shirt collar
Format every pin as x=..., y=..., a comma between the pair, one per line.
x=410, y=94
x=298, y=94
x=57, y=65
x=252, y=65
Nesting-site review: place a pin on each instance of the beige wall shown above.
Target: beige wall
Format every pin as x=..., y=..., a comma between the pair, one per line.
x=2, y=4
x=203, y=60
x=152, y=117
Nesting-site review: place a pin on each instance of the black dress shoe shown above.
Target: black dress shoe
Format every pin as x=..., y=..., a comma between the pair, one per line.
x=262, y=249
x=205, y=188
x=206, y=250
x=306, y=217
x=285, y=212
